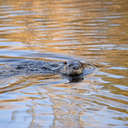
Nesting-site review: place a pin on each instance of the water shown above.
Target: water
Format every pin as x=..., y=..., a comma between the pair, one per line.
x=93, y=31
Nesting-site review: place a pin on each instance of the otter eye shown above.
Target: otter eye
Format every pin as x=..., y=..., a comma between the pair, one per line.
x=65, y=62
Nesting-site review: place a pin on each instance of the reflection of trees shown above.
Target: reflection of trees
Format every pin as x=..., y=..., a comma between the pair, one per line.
x=49, y=105
x=67, y=25
x=63, y=26
x=65, y=112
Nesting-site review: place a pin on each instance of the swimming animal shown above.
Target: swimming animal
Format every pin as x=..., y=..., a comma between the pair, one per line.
x=71, y=68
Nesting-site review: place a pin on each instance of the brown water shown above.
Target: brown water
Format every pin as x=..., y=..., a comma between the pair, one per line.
x=91, y=30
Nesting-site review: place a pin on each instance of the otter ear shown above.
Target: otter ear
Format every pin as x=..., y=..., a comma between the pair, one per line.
x=83, y=64
x=65, y=62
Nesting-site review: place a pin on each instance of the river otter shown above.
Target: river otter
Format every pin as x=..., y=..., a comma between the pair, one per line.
x=68, y=68
x=72, y=68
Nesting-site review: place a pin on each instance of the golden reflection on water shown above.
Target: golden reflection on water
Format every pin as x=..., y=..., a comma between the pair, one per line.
x=92, y=30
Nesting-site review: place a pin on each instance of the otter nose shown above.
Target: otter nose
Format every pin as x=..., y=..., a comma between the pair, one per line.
x=76, y=67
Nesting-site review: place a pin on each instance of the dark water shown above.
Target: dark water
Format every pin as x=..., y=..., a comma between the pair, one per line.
x=90, y=30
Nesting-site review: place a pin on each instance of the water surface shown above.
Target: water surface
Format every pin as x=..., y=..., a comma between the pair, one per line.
x=93, y=31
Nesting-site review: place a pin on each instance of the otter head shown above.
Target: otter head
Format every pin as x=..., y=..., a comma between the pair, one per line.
x=73, y=68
